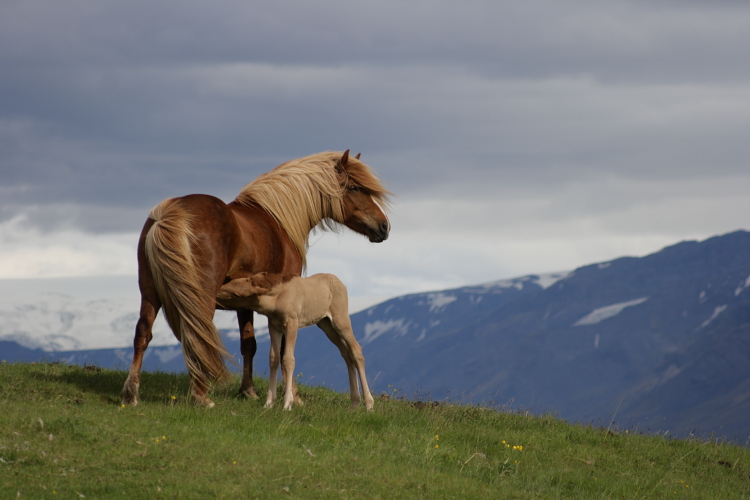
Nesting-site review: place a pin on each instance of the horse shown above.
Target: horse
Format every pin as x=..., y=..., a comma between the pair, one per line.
x=190, y=246
x=290, y=303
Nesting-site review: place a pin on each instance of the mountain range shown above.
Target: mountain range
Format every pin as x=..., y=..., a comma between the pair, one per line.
x=655, y=343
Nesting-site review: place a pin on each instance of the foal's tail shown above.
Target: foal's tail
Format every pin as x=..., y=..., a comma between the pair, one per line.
x=183, y=289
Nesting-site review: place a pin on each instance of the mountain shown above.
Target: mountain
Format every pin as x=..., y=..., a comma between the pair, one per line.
x=660, y=342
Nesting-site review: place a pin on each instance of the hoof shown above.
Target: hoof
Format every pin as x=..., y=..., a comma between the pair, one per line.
x=248, y=394
x=205, y=402
x=129, y=394
x=129, y=397
x=268, y=405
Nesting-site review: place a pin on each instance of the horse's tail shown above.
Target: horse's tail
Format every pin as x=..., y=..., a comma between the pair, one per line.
x=184, y=291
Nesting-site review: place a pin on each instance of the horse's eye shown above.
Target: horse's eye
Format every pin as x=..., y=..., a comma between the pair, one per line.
x=353, y=189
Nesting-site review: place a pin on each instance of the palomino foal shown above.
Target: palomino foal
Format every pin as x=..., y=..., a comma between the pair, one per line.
x=290, y=303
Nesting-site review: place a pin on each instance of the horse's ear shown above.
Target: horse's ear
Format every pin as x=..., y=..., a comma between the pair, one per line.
x=344, y=158
x=358, y=155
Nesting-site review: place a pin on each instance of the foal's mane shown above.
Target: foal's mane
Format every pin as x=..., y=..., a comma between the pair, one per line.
x=308, y=192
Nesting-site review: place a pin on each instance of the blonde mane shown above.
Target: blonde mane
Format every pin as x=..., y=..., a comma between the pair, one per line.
x=308, y=193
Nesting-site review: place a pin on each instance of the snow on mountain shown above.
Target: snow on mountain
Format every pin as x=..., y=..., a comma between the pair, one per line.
x=84, y=313
x=602, y=313
x=65, y=314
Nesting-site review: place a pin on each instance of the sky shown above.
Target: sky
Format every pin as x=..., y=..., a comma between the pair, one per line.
x=517, y=137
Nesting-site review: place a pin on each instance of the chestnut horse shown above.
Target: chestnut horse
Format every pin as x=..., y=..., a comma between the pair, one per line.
x=192, y=245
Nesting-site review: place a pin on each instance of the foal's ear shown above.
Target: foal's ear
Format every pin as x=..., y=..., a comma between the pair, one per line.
x=358, y=155
x=344, y=158
x=258, y=290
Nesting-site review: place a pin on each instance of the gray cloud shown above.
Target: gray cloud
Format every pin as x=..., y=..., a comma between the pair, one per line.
x=550, y=115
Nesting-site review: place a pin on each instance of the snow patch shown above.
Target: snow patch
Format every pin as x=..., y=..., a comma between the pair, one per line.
x=167, y=354
x=718, y=310
x=742, y=286
x=547, y=280
x=604, y=265
x=498, y=286
x=71, y=314
x=602, y=313
x=438, y=301
x=377, y=328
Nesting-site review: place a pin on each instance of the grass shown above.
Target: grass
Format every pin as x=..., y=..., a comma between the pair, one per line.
x=64, y=434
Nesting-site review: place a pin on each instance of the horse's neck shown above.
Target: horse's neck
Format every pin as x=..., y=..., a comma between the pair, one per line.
x=263, y=245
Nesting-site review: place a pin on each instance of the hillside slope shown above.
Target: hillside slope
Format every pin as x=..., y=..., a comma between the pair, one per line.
x=64, y=435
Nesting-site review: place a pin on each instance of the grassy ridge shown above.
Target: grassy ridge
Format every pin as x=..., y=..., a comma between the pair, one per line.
x=64, y=434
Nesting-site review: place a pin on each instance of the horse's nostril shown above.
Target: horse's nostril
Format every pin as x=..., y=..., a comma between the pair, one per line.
x=384, y=226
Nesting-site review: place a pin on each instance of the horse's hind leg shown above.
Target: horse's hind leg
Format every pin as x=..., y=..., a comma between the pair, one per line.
x=143, y=335
x=248, y=348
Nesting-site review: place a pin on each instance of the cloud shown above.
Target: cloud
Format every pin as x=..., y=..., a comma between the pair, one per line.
x=26, y=252
x=518, y=136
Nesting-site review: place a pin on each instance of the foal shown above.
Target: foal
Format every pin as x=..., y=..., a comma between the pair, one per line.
x=290, y=303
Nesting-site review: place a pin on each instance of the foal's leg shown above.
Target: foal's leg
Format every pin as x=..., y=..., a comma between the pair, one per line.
x=343, y=325
x=288, y=364
x=273, y=362
x=297, y=399
x=248, y=348
x=334, y=336
x=150, y=306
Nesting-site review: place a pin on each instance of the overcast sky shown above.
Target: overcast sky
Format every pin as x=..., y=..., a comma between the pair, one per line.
x=518, y=137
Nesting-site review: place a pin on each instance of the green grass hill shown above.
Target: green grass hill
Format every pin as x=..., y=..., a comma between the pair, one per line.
x=64, y=435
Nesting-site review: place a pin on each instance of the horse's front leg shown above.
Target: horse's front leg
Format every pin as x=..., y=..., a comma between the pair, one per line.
x=273, y=362
x=248, y=347
x=143, y=335
x=288, y=363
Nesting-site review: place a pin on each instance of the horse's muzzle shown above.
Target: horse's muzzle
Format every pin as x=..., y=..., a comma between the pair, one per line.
x=381, y=233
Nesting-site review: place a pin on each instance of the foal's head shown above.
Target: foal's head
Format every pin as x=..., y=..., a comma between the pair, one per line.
x=364, y=198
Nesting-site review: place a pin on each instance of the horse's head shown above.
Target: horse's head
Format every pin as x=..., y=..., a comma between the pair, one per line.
x=364, y=199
